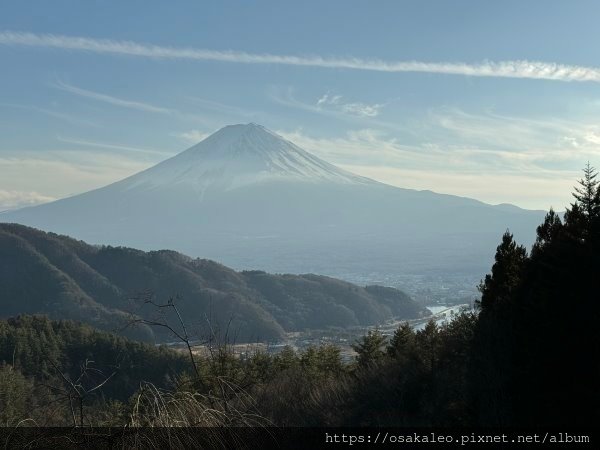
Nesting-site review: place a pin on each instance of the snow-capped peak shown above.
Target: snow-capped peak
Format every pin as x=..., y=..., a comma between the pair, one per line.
x=238, y=155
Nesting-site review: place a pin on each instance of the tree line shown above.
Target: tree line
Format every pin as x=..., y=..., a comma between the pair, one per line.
x=528, y=355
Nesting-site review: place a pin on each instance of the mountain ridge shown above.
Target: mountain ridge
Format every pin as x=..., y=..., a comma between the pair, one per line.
x=250, y=199
x=46, y=273
x=237, y=155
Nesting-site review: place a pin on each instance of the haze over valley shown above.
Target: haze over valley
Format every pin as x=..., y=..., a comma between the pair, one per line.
x=250, y=199
x=246, y=224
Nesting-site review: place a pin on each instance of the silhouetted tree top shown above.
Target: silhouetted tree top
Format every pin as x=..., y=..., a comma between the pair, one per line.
x=402, y=342
x=547, y=232
x=536, y=355
x=584, y=215
x=370, y=348
x=506, y=272
x=586, y=193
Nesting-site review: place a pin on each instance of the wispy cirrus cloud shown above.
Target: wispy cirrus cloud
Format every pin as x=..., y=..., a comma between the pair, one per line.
x=362, y=109
x=353, y=108
x=61, y=173
x=522, y=138
x=470, y=155
x=56, y=114
x=112, y=146
x=328, y=99
x=229, y=110
x=286, y=97
x=131, y=104
x=452, y=139
x=507, y=69
x=140, y=106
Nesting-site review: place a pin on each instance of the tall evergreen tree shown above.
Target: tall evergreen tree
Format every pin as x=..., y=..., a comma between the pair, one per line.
x=429, y=343
x=506, y=273
x=536, y=354
x=583, y=219
x=587, y=193
x=370, y=348
x=547, y=231
x=402, y=343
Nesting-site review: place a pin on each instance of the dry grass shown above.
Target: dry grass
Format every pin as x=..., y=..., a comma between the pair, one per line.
x=154, y=407
x=162, y=418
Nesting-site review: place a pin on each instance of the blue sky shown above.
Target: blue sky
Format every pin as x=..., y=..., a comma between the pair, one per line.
x=498, y=101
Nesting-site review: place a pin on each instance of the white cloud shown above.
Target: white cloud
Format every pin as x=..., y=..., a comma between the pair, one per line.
x=507, y=69
x=362, y=109
x=61, y=173
x=19, y=199
x=327, y=99
x=522, y=189
x=191, y=136
x=518, y=138
x=354, y=109
x=112, y=100
x=285, y=97
x=539, y=177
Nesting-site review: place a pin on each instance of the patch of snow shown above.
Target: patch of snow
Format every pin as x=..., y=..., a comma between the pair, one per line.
x=236, y=156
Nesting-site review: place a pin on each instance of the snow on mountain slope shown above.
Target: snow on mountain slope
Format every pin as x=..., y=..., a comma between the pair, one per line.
x=236, y=156
x=250, y=199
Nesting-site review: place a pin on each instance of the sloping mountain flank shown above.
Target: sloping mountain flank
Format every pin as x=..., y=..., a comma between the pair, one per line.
x=250, y=199
x=44, y=273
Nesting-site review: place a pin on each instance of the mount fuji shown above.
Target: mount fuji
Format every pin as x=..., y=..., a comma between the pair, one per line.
x=252, y=200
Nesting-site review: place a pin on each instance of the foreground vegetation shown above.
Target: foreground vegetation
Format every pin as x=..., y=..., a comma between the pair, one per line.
x=530, y=356
x=53, y=367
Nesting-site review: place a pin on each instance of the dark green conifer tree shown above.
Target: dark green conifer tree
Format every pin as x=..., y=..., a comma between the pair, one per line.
x=506, y=273
x=586, y=193
x=547, y=231
x=370, y=348
x=402, y=343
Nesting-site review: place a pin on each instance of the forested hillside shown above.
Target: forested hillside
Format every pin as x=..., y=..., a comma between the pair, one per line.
x=47, y=367
x=537, y=346
x=530, y=357
x=44, y=273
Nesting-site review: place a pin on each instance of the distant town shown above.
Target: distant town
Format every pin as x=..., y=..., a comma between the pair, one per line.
x=340, y=337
